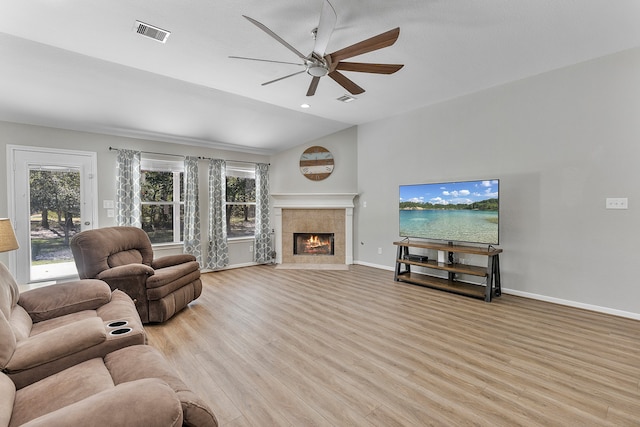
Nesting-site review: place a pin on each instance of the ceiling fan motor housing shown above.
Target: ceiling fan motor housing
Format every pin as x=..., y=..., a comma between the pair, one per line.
x=317, y=70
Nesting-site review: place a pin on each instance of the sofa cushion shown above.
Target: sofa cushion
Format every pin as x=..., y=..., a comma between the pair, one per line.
x=63, y=388
x=146, y=402
x=58, y=300
x=47, y=325
x=132, y=256
x=8, y=291
x=150, y=363
x=7, y=340
x=21, y=323
x=167, y=275
x=8, y=393
x=57, y=343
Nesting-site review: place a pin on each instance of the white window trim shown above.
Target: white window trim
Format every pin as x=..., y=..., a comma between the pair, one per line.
x=157, y=164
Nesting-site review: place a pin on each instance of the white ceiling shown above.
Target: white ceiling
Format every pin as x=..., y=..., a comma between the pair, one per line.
x=78, y=64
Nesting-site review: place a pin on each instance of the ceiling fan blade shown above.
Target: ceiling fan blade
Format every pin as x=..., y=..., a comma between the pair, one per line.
x=266, y=60
x=275, y=36
x=282, y=78
x=369, y=68
x=313, y=86
x=325, y=28
x=343, y=81
x=374, y=43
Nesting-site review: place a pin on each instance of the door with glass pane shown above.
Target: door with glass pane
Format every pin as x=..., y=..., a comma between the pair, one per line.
x=53, y=200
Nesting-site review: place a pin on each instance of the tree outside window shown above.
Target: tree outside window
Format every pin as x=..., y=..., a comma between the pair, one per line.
x=162, y=204
x=241, y=202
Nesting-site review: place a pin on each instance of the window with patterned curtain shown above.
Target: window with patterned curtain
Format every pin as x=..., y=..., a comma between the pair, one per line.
x=191, y=242
x=218, y=252
x=128, y=208
x=263, y=228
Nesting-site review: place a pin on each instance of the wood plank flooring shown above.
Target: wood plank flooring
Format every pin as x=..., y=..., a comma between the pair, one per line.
x=271, y=347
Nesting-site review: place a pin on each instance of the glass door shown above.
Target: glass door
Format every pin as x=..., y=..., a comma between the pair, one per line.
x=53, y=201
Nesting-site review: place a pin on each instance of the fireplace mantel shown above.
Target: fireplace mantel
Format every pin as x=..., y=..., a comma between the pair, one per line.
x=314, y=201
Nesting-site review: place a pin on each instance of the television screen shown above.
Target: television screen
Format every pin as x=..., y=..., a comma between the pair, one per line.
x=466, y=211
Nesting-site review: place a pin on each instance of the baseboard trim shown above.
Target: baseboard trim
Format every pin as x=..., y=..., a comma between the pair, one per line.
x=575, y=304
x=368, y=264
x=569, y=303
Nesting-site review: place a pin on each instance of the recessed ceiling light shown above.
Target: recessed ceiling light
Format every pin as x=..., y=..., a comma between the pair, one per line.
x=305, y=106
x=346, y=98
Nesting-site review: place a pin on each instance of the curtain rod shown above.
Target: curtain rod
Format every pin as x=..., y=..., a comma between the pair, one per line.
x=232, y=161
x=150, y=152
x=180, y=155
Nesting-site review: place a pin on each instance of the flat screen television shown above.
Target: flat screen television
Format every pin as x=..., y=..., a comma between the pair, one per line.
x=465, y=211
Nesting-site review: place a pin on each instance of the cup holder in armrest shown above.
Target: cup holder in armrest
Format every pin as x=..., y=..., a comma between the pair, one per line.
x=117, y=324
x=120, y=331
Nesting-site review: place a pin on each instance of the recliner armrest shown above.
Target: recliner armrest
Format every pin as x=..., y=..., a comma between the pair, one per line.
x=57, y=343
x=146, y=402
x=65, y=298
x=128, y=270
x=171, y=260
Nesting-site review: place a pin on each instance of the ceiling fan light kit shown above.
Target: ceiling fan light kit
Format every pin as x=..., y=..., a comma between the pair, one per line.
x=319, y=63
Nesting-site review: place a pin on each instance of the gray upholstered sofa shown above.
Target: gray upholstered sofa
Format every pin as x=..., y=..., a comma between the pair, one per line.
x=48, y=329
x=133, y=387
x=123, y=257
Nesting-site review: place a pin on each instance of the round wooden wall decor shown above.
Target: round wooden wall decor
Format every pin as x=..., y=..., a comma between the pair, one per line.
x=316, y=163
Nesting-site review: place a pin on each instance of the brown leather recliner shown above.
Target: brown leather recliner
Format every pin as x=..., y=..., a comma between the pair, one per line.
x=123, y=257
x=48, y=329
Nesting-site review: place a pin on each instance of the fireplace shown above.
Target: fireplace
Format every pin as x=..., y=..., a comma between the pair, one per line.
x=313, y=244
x=310, y=214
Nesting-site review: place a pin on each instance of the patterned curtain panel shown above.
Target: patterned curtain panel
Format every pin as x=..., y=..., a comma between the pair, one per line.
x=218, y=254
x=263, y=229
x=128, y=205
x=191, y=237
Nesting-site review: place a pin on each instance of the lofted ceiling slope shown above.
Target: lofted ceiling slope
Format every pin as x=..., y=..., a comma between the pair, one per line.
x=80, y=65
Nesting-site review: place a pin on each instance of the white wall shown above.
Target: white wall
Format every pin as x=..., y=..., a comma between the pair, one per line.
x=285, y=166
x=19, y=134
x=560, y=143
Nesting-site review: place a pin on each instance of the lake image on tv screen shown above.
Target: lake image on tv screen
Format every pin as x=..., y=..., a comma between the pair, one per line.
x=460, y=211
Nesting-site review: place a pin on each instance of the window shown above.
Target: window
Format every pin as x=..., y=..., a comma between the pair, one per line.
x=241, y=201
x=162, y=200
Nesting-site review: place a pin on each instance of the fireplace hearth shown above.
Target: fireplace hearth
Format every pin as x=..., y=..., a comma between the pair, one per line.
x=313, y=244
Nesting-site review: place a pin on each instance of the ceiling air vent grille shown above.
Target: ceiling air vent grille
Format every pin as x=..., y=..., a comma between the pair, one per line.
x=346, y=98
x=150, y=31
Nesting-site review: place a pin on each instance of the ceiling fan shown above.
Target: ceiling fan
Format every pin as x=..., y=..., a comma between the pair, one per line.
x=319, y=63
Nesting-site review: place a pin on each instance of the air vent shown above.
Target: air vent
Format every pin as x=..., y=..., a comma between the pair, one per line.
x=152, y=32
x=346, y=98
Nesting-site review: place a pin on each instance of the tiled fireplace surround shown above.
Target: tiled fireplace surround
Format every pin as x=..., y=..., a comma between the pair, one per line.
x=309, y=213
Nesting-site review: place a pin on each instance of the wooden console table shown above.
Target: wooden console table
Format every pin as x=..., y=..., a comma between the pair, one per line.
x=450, y=284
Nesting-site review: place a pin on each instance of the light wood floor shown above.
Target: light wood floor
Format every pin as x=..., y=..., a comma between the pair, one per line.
x=267, y=347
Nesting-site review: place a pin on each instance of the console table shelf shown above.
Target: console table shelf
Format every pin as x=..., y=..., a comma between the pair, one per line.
x=450, y=284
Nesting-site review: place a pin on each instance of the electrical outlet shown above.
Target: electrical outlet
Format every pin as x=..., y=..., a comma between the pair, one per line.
x=250, y=248
x=379, y=251
x=617, y=203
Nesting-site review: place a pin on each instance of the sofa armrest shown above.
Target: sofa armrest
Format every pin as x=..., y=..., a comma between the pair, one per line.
x=8, y=393
x=171, y=260
x=146, y=402
x=57, y=343
x=123, y=271
x=65, y=298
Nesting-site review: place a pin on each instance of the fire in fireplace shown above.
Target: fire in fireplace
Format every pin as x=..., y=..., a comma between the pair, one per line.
x=313, y=244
